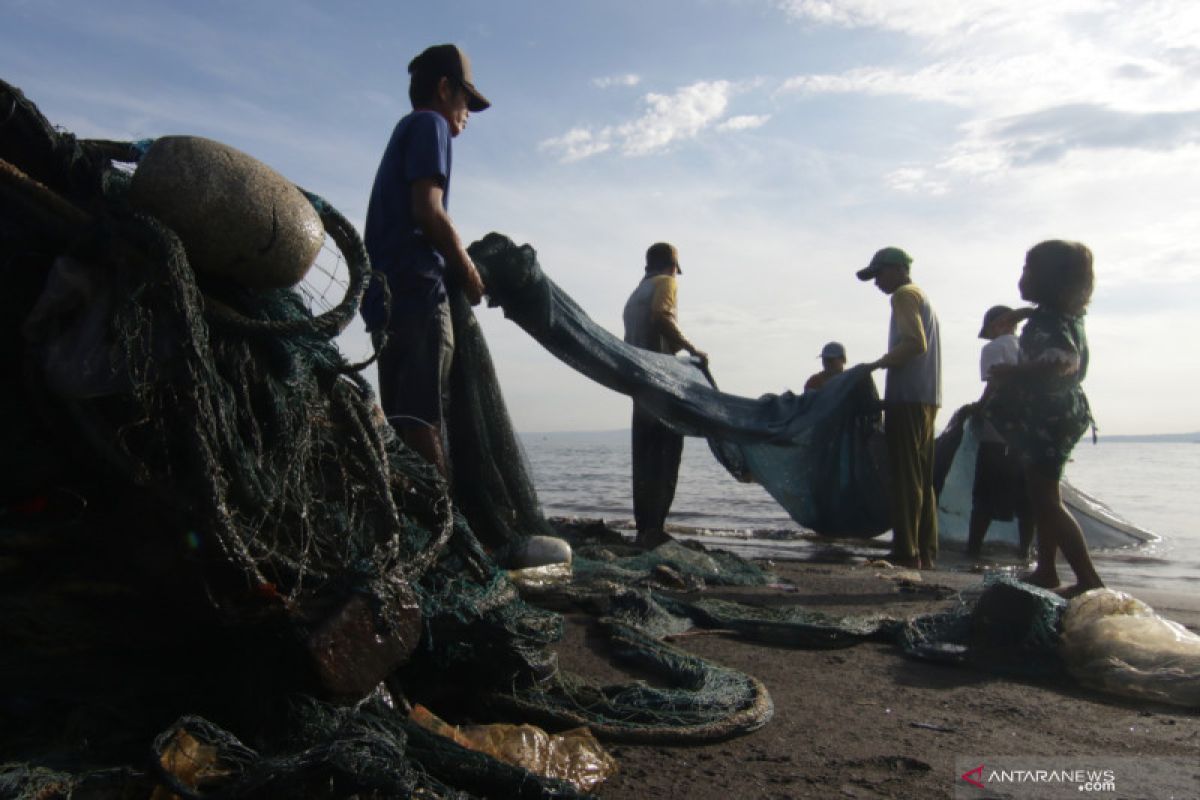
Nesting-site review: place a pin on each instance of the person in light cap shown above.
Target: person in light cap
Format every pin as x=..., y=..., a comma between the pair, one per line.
x=650, y=323
x=911, y=399
x=414, y=244
x=833, y=362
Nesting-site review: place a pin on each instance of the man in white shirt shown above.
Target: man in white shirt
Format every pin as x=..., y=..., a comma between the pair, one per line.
x=999, y=490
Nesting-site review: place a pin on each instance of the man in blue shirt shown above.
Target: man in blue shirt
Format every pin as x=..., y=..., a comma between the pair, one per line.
x=412, y=241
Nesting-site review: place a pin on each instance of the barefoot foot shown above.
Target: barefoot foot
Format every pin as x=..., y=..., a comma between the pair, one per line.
x=651, y=539
x=1044, y=581
x=908, y=562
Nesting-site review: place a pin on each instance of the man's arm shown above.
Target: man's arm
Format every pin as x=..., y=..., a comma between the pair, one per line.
x=662, y=312
x=435, y=223
x=906, y=311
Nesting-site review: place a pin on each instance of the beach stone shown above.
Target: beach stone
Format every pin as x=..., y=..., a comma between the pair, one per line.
x=236, y=217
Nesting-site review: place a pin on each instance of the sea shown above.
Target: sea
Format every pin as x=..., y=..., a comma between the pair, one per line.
x=1152, y=484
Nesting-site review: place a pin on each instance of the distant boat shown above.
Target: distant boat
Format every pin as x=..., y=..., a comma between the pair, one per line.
x=1102, y=527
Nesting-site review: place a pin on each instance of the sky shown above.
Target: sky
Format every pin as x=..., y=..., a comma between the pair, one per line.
x=776, y=143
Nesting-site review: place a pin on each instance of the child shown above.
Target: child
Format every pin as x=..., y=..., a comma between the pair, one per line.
x=833, y=363
x=1039, y=407
x=999, y=490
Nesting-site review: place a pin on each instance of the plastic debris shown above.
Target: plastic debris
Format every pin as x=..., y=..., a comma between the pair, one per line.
x=190, y=762
x=574, y=756
x=1116, y=643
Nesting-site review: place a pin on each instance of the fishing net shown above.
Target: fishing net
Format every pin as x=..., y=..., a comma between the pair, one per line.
x=718, y=702
x=1005, y=626
x=789, y=625
x=207, y=520
x=492, y=482
x=817, y=454
x=674, y=564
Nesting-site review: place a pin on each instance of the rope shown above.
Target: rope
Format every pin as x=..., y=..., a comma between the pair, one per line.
x=332, y=322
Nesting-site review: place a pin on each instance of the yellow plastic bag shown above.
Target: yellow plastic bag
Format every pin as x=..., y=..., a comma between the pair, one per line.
x=193, y=763
x=573, y=755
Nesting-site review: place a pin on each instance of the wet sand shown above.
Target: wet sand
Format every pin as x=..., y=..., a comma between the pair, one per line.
x=867, y=722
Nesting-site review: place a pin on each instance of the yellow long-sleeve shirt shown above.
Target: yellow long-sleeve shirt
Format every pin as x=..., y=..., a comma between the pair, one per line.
x=649, y=316
x=914, y=358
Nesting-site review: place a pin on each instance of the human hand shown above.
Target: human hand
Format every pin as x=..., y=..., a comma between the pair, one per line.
x=703, y=356
x=472, y=283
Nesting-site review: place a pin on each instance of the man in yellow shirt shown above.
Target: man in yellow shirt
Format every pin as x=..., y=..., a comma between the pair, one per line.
x=650, y=323
x=911, y=400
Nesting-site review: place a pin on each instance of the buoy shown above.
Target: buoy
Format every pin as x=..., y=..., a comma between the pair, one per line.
x=236, y=217
x=536, y=551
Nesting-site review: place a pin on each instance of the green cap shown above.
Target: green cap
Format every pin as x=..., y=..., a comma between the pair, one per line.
x=886, y=256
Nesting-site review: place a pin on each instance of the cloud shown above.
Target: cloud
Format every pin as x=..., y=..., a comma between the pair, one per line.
x=578, y=143
x=1034, y=82
x=1014, y=56
x=1133, y=72
x=677, y=116
x=936, y=18
x=744, y=122
x=915, y=181
x=1047, y=135
x=953, y=82
x=628, y=79
x=668, y=118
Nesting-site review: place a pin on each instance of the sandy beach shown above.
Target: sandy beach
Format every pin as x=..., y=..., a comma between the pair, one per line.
x=867, y=722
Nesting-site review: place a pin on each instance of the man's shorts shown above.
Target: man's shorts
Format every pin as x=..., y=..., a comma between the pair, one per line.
x=414, y=366
x=999, y=489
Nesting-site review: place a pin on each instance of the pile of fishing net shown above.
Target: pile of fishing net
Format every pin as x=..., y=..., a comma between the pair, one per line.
x=211, y=541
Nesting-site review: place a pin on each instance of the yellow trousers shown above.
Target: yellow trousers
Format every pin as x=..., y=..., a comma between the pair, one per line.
x=908, y=429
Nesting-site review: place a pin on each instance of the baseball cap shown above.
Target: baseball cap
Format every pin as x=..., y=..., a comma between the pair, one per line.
x=881, y=259
x=833, y=350
x=660, y=254
x=450, y=61
x=990, y=316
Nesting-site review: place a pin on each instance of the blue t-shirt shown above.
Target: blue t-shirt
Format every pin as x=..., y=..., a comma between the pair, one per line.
x=419, y=148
